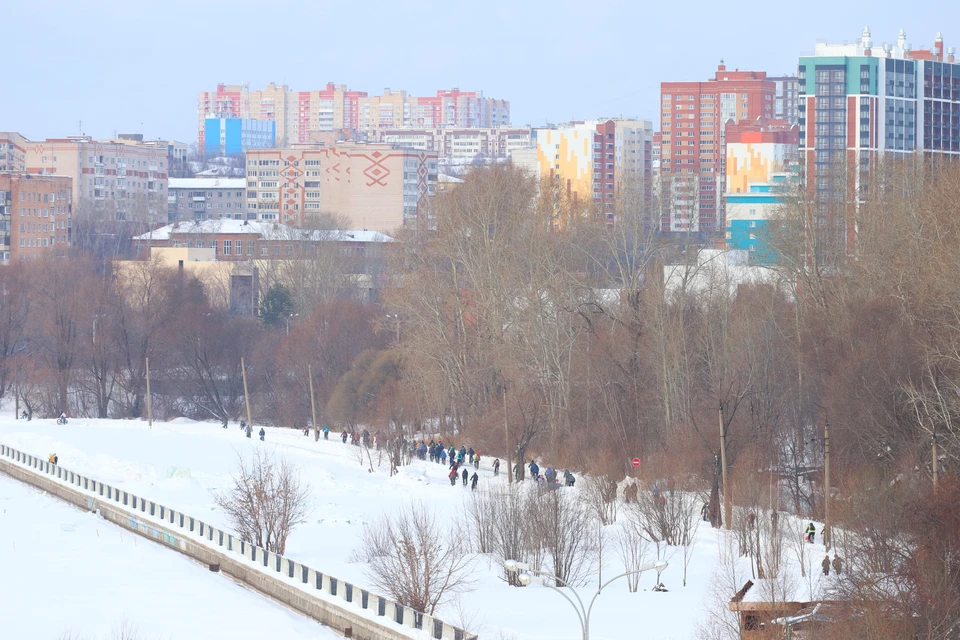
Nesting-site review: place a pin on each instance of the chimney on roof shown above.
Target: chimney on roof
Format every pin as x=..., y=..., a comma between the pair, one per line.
x=938, y=47
x=721, y=66
x=951, y=54
x=866, y=41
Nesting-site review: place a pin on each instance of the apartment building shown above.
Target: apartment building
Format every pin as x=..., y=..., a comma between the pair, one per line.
x=36, y=216
x=232, y=136
x=126, y=176
x=299, y=115
x=859, y=101
x=13, y=151
x=461, y=144
x=760, y=172
x=692, y=124
x=206, y=199
x=376, y=186
x=603, y=162
x=786, y=100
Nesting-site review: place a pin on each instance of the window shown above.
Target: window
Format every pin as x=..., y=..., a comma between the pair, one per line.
x=263, y=251
x=227, y=247
x=239, y=248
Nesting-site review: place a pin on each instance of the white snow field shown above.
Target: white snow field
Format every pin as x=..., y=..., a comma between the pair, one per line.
x=69, y=573
x=182, y=463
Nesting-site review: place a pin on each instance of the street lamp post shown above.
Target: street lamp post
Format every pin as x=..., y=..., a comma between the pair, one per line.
x=528, y=575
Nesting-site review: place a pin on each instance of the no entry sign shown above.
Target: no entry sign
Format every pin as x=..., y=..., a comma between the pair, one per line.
x=636, y=462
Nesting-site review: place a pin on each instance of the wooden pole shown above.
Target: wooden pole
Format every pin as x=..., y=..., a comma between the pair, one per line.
x=149, y=403
x=723, y=472
x=828, y=531
x=246, y=394
x=506, y=436
x=936, y=463
x=313, y=405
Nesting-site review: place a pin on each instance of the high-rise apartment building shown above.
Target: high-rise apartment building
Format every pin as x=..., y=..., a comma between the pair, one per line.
x=760, y=171
x=461, y=144
x=128, y=177
x=859, y=101
x=693, y=117
x=230, y=136
x=375, y=186
x=599, y=161
x=299, y=115
x=36, y=216
x=786, y=98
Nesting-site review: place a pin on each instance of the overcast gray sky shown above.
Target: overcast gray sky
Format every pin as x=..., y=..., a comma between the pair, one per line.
x=137, y=65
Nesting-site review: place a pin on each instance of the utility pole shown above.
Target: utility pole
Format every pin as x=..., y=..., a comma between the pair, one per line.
x=936, y=463
x=827, y=530
x=246, y=395
x=313, y=405
x=149, y=404
x=506, y=435
x=723, y=472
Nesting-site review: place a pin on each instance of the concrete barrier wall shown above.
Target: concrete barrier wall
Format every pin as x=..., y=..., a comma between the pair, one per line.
x=275, y=576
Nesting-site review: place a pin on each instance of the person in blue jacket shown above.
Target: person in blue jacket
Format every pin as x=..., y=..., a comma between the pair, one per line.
x=534, y=470
x=326, y=432
x=262, y=433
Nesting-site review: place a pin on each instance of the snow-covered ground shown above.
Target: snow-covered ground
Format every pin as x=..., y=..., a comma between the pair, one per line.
x=68, y=573
x=182, y=463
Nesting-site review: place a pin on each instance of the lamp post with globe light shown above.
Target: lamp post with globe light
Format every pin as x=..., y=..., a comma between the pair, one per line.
x=526, y=575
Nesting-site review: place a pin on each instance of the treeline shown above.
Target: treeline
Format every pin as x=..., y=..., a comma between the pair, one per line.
x=76, y=337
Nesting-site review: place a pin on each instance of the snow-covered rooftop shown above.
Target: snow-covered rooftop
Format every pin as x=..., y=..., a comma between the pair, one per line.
x=207, y=183
x=268, y=230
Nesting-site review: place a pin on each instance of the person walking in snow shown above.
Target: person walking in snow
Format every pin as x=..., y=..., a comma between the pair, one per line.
x=326, y=432
x=496, y=466
x=570, y=480
x=248, y=430
x=534, y=471
x=443, y=456
x=470, y=454
x=826, y=565
x=343, y=436
x=453, y=477
x=837, y=562
x=476, y=461
x=465, y=476
x=811, y=533
x=473, y=481
x=462, y=454
x=262, y=433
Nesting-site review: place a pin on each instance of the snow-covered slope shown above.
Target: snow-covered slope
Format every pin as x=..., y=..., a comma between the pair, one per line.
x=182, y=463
x=69, y=573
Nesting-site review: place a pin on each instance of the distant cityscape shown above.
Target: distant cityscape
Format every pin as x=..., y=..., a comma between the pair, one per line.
x=712, y=164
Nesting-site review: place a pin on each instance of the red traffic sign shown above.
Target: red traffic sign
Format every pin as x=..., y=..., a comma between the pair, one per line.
x=636, y=462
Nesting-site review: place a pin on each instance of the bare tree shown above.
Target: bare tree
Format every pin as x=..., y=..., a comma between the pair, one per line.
x=267, y=500
x=632, y=549
x=563, y=523
x=415, y=558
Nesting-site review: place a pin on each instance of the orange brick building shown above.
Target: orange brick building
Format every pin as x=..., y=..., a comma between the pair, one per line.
x=36, y=216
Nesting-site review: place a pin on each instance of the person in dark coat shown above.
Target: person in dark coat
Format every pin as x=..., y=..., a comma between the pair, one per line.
x=496, y=466
x=826, y=565
x=473, y=481
x=837, y=562
x=470, y=454
x=466, y=476
x=248, y=430
x=262, y=433
x=343, y=436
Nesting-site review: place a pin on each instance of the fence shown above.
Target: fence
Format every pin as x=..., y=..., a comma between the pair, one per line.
x=354, y=611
